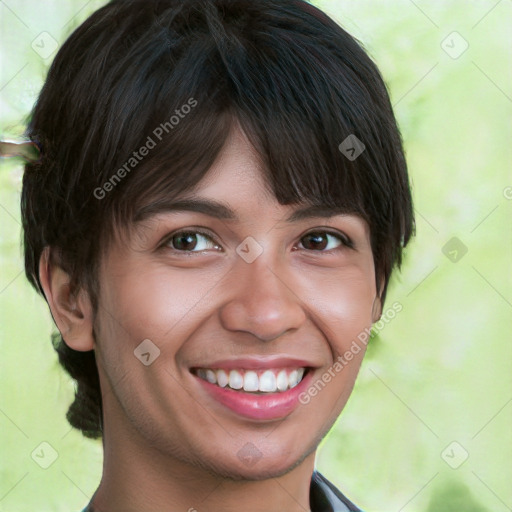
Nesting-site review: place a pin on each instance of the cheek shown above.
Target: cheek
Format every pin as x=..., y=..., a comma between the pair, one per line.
x=342, y=305
x=153, y=303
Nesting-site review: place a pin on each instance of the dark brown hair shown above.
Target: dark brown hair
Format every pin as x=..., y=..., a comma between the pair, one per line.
x=295, y=81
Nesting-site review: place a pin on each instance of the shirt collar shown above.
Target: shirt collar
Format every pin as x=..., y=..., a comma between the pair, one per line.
x=324, y=497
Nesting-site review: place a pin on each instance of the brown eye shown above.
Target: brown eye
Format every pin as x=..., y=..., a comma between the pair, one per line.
x=191, y=241
x=322, y=241
x=184, y=241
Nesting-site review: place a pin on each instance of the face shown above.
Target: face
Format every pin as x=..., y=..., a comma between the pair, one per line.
x=244, y=320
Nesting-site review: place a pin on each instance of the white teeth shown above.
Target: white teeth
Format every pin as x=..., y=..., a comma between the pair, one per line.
x=270, y=381
x=293, y=379
x=222, y=378
x=282, y=381
x=236, y=381
x=251, y=381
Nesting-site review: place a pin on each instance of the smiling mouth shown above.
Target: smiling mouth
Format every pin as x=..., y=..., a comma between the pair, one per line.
x=276, y=380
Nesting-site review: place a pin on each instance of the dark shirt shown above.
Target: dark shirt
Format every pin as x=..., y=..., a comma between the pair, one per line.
x=323, y=497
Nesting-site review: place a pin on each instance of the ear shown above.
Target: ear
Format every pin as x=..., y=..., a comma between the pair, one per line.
x=377, y=303
x=71, y=312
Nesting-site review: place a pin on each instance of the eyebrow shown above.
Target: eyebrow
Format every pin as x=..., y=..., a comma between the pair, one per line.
x=222, y=211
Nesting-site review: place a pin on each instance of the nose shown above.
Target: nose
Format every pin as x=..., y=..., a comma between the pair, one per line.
x=262, y=301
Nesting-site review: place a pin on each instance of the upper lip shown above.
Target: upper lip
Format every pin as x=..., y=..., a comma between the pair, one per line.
x=258, y=363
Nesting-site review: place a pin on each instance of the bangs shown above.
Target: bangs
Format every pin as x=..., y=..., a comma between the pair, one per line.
x=290, y=102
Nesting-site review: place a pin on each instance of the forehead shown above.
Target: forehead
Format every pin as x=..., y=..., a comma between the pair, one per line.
x=236, y=173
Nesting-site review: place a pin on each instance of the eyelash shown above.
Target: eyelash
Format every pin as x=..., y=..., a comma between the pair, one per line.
x=346, y=242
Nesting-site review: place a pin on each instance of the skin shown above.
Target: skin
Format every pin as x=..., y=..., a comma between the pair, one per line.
x=167, y=444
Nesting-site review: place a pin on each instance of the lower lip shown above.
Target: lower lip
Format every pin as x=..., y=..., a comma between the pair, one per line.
x=270, y=406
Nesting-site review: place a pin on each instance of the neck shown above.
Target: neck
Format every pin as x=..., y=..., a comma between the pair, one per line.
x=139, y=477
x=132, y=484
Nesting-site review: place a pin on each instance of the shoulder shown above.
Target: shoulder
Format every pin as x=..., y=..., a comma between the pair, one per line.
x=325, y=497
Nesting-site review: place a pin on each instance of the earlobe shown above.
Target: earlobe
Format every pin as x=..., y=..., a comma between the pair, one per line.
x=72, y=312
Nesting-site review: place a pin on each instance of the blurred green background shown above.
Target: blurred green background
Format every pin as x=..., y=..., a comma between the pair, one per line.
x=429, y=425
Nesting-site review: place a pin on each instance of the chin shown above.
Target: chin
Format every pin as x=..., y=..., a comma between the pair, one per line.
x=242, y=472
x=255, y=469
